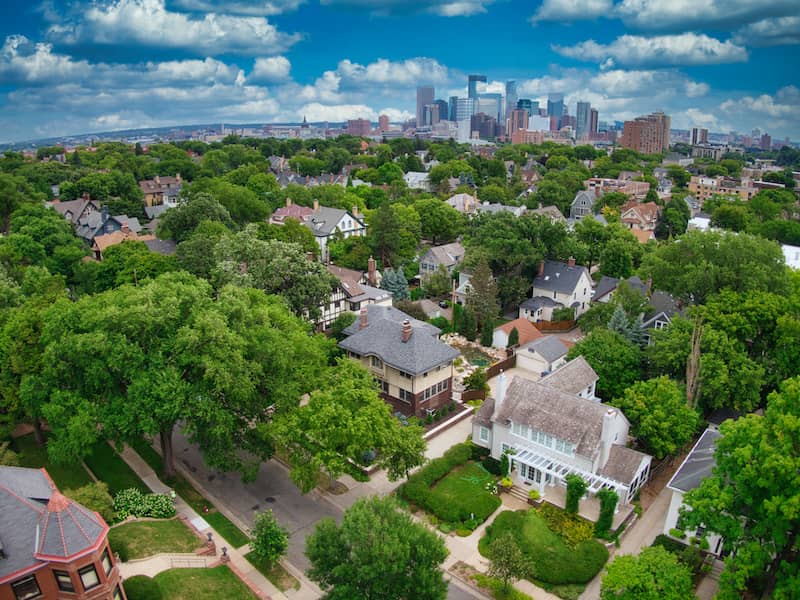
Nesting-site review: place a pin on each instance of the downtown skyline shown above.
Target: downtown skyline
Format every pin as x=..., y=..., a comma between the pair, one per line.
x=70, y=68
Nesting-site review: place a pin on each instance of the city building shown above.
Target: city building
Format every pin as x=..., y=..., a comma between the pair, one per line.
x=527, y=105
x=517, y=120
x=555, y=108
x=383, y=123
x=472, y=85
x=523, y=136
x=359, y=127
x=583, y=116
x=766, y=142
x=425, y=96
x=648, y=134
x=511, y=96
x=699, y=136
x=556, y=426
x=451, y=108
x=413, y=368
x=702, y=187
x=593, y=121
x=485, y=126
x=492, y=105
x=635, y=190
x=52, y=547
x=465, y=107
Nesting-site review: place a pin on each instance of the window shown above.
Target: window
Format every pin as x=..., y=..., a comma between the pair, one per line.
x=404, y=374
x=405, y=395
x=89, y=577
x=105, y=560
x=64, y=581
x=376, y=362
x=26, y=588
x=383, y=385
x=483, y=434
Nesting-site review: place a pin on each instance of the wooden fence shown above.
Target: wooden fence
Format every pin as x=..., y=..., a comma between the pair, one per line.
x=551, y=326
x=468, y=395
x=503, y=365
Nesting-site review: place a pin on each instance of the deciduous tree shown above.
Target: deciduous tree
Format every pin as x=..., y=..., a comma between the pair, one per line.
x=616, y=361
x=655, y=574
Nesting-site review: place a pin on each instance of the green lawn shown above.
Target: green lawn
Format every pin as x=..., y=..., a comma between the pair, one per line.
x=149, y=455
x=145, y=538
x=280, y=577
x=551, y=560
x=462, y=493
x=189, y=584
x=108, y=466
x=66, y=477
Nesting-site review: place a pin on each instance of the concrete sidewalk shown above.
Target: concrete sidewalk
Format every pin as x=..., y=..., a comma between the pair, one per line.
x=241, y=566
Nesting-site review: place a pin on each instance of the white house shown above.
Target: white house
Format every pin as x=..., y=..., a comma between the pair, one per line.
x=416, y=180
x=542, y=356
x=327, y=222
x=549, y=433
x=526, y=333
x=558, y=285
x=792, y=255
x=694, y=469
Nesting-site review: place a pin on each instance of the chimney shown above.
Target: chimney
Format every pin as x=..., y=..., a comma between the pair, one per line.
x=406, y=330
x=607, y=436
x=316, y=205
x=500, y=392
x=85, y=195
x=355, y=212
x=362, y=322
x=288, y=202
x=541, y=268
x=571, y=261
x=104, y=214
x=178, y=177
x=648, y=285
x=157, y=180
x=125, y=229
x=371, y=278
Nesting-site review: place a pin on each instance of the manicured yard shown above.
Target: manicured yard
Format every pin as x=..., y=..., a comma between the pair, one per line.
x=108, y=466
x=463, y=492
x=66, y=477
x=280, y=577
x=552, y=561
x=232, y=534
x=145, y=538
x=189, y=584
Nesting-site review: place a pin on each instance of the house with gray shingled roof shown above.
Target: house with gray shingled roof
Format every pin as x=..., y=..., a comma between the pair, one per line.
x=693, y=470
x=556, y=285
x=51, y=547
x=447, y=255
x=413, y=368
x=543, y=355
x=325, y=223
x=550, y=430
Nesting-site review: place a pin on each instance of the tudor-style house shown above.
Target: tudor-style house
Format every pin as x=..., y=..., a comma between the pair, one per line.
x=413, y=368
x=354, y=291
x=51, y=547
x=551, y=428
x=558, y=285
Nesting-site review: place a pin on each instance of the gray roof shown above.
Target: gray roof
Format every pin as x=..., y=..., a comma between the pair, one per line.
x=559, y=277
x=165, y=247
x=447, y=254
x=623, y=463
x=153, y=212
x=32, y=510
x=573, y=377
x=549, y=347
x=382, y=337
x=605, y=286
x=323, y=221
x=584, y=198
x=539, y=302
x=485, y=412
x=698, y=464
x=577, y=420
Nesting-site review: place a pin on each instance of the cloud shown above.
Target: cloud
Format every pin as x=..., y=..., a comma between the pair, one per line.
x=442, y=8
x=338, y=112
x=572, y=10
x=634, y=50
x=690, y=14
x=694, y=117
x=149, y=23
x=781, y=31
x=256, y=8
x=22, y=61
x=784, y=105
x=274, y=68
x=394, y=73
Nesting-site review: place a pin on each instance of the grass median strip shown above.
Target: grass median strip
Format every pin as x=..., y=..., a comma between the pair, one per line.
x=277, y=575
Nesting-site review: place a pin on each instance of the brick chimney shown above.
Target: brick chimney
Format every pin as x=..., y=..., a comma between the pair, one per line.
x=355, y=212
x=541, y=268
x=125, y=229
x=362, y=322
x=157, y=180
x=571, y=261
x=406, y=330
x=288, y=202
x=371, y=276
x=316, y=205
x=178, y=177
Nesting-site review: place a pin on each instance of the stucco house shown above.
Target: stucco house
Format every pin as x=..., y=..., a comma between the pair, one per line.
x=51, y=547
x=326, y=223
x=354, y=291
x=557, y=285
x=413, y=368
x=694, y=469
x=543, y=355
x=550, y=431
x=447, y=255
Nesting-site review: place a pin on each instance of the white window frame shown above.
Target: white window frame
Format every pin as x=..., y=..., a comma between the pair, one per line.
x=483, y=434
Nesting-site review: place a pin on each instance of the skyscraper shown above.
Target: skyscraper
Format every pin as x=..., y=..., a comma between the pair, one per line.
x=451, y=108
x=555, y=108
x=517, y=120
x=492, y=105
x=383, y=123
x=472, y=85
x=526, y=104
x=464, y=108
x=699, y=136
x=425, y=94
x=584, y=116
x=648, y=134
x=593, y=121
x=444, y=110
x=511, y=96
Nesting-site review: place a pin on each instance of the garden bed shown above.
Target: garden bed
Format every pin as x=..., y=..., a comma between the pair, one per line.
x=558, y=563
x=189, y=584
x=141, y=539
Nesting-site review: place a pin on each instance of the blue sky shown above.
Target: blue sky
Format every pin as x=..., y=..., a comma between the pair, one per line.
x=74, y=66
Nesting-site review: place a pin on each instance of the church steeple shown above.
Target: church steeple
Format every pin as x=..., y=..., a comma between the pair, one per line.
x=305, y=123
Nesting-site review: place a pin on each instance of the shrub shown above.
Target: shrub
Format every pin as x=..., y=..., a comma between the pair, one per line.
x=564, y=313
x=440, y=322
x=576, y=488
x=669, y=544
x=445, y=528
x=478, y=452
x=492, y=465
x=462, y=532
x=608, y=502
x=269, y=540
x=677, y=533
x=158, y=506
x=534, y=495
x=506, y=482
x=141, y=587
x=478, y=380
x=572, y=528
x=505, y=464
x=513, y=338
x=418, y=487
x=94, y=496
x=132, y=502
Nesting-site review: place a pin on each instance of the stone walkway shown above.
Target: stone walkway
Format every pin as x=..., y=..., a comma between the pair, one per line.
x=153, y=565
x=249, y=574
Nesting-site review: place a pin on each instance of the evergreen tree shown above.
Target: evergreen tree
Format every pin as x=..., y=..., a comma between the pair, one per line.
x=467, y=325
x=482, y=295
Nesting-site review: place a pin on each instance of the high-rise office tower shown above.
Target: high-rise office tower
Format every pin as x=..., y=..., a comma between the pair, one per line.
x=584, y=116
x=425, y=94
x=555, y=108
x=444, y=110
x=451, y=109
x=492, y=105
x=699, y=136
x=526, y=104
x=383, y=123
x=472, y=85
x=465, y=107
x=511, y=96
x=593, y=121
x=517, y=120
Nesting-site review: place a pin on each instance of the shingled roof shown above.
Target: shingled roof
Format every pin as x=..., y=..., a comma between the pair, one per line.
x=698, y=464
x=559, y=277
x=38, y=523
x=383, y=337
x=573, y=377
x=623, y=463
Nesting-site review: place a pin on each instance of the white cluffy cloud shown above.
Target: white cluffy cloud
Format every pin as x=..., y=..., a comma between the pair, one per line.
x=634, y=50
x=689, y=14
x=148, y=22
x=443, y=8
x=256, y=8
x=572, y=10
x=273, y=68
x=780, y=31
x=394, y=73
x=23, y=61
